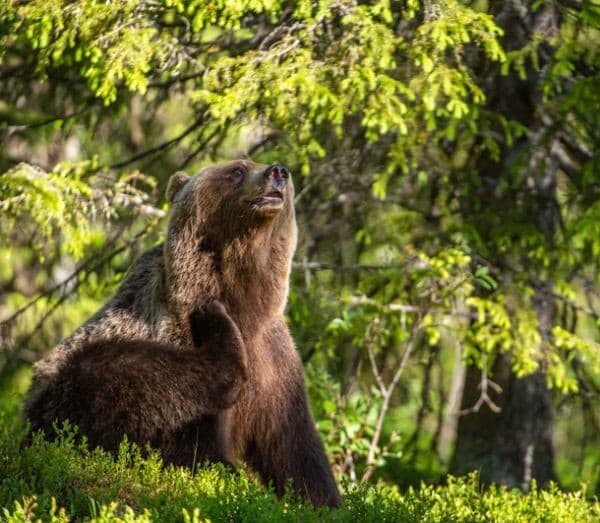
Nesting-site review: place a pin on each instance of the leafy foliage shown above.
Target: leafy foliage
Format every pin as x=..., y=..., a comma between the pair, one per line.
x=446, y=160
x=64, y=207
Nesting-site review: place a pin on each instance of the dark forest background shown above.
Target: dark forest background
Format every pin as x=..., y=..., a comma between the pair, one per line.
x=445, y=296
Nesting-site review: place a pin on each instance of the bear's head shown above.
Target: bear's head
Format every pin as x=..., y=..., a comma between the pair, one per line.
x=231, y=236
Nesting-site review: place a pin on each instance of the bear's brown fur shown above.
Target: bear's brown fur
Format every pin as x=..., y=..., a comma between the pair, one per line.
x=231, y=237
x=150, y=391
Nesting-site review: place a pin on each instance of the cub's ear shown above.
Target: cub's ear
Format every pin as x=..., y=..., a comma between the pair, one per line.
x=211, y=323
x=176, y=182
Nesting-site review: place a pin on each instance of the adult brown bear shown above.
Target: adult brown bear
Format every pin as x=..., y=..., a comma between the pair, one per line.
x=231, y=237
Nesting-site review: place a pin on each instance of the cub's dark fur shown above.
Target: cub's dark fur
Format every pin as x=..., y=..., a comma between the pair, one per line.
x=151, y=392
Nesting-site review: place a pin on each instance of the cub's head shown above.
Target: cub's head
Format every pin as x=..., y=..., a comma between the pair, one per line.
x=232, y=200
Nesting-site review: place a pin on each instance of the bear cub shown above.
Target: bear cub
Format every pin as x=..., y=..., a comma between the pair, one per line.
x=151, y=391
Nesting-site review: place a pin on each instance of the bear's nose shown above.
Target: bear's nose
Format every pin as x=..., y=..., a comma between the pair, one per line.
x=278, y=175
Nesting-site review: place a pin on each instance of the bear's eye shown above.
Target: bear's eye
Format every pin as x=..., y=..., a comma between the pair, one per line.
x=238, y=173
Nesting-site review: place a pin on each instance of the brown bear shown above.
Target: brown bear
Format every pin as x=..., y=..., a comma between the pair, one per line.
x=230, y=238
x=150, y=391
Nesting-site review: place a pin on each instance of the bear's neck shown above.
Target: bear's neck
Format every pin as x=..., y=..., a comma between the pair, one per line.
x=249, y=273
x=254, y=278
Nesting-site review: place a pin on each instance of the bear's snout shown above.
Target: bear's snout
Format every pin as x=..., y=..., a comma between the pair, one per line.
x=277, y=175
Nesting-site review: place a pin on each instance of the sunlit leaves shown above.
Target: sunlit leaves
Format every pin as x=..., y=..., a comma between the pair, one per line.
x=64, y=207
x=109, y=44
x=329, y=74
x=570, y=346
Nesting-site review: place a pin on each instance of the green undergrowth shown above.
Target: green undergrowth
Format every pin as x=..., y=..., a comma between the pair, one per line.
x=64, y=481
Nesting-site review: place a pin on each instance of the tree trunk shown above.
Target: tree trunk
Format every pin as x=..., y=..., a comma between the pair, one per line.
x=514, y=445
x=452, y=408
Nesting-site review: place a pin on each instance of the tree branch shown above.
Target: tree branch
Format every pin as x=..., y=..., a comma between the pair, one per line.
x=160, y=147
x=318, y=266
x=387, y=396
x=89, y=265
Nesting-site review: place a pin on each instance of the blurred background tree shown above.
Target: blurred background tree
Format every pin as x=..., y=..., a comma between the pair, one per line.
x=445, y=158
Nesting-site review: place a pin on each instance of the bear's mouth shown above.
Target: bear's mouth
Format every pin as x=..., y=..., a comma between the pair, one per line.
x=269, y=202
x=272, y=197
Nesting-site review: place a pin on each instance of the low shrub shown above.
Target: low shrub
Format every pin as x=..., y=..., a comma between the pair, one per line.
x=64, y=481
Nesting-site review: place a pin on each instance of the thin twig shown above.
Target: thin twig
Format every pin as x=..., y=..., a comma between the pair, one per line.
x=376, y=373
x=318, y=266
x=87, y=266
x=11, y=129
x=160, y=147
x=198, y=149
x=484, y=398
x=387, y=396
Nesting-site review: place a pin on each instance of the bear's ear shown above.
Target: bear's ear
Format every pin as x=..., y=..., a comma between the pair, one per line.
x=176, y=182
